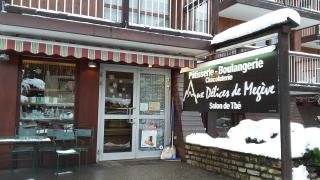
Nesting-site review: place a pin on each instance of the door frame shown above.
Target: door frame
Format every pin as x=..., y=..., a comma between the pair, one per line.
x=100, y=156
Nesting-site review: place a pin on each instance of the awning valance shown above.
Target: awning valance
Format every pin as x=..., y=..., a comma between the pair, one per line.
x=50, y=48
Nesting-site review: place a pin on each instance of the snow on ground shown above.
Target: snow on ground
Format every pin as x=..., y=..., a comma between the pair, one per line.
x=258, y=24
x=267, y=133
x=300, y=173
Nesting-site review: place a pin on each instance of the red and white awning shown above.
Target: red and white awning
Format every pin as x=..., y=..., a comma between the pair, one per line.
x=50, y=48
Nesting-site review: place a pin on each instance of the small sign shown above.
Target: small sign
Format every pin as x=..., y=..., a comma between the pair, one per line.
x=149, y=138
x=154, y=106
x=144, y=107
x=246, y=82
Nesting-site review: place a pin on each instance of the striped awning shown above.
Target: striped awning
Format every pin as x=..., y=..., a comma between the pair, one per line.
x=51, y=48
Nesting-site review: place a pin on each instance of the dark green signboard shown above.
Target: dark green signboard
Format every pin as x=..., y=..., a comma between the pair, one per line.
x=242, y=83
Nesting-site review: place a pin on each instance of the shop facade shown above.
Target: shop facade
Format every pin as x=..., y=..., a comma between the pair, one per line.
x=66, y=73
x=116, y=93
x=114, y=67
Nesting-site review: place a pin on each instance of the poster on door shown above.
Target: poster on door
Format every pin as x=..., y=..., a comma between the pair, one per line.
x=149, y=138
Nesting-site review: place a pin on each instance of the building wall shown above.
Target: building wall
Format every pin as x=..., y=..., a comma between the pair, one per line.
x=297, y=114
x=310, y=50
x=226, y=23
x=295, y=41
x=87, y=101
x=9, y=80
x=185, y=122
x=238, y=165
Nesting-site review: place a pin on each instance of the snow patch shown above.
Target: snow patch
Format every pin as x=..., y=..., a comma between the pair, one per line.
x=24, y=99
x=173, y=30
x=300, y=173
x=258, y=24
x=24, y=139
x=38, y=83
x=266, y=135
x=69, y=151
x=121, y=101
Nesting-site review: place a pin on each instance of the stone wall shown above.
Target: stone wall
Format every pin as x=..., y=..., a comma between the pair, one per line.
x=235, y=164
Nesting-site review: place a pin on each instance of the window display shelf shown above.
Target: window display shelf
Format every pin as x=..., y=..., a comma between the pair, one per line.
x=50, y=104
x=49, y=90
x=46, y=119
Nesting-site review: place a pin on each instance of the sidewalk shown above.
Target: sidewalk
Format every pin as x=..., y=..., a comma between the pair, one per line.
x=122, y=170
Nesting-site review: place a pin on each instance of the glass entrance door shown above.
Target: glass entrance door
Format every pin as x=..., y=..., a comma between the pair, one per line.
x=119, y=115
x=134, y=112
x=154, y=107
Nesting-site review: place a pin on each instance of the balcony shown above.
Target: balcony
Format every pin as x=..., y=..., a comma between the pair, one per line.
x=184, y=17
x=310, y=37
x=304, y=71
x=310, y=5
x=246, y=10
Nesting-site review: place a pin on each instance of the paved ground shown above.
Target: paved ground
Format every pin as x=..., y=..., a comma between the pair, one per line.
x=121, y=170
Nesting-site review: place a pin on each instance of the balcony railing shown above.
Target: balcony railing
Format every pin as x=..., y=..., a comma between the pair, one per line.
x=312, y=5
x=304, y=68
x=310, y=31
x=85, y=8
x=188, y=15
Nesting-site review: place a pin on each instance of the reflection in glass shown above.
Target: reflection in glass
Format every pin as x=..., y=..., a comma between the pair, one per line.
x=223, y=123
x=119, y=92
x=117, y=136
x=113, y=10
x=197, y=17
x=152, y=94
x=149, y=12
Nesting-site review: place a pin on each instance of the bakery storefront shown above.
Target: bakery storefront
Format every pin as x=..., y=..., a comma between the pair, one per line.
x=125, y=96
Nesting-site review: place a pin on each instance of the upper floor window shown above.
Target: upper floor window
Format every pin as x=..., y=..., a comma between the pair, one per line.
x=196, y=15
x=150, y=12
x=113, y=10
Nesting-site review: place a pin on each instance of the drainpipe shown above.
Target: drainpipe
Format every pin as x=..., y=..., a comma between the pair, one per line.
x=216, y=17
x=211, y=117
x=125, y=13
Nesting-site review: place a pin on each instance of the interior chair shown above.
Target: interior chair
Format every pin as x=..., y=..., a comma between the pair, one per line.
x=67, y=138
x=24, y=149
x=84, y=141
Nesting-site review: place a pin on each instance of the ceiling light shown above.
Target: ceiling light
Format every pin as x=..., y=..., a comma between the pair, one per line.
x=92, y=64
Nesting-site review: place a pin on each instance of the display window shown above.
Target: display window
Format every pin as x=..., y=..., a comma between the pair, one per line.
x=47, y=94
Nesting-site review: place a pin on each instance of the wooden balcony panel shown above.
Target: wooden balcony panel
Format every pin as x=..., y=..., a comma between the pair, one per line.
x=310, y=35
x=68, y=8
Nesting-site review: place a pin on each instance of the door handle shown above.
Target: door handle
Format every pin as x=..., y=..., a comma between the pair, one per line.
x=130, y=110
x=130, y=121
x=130, y=113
